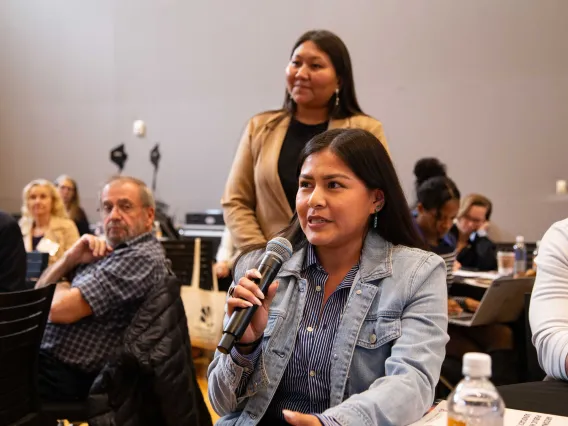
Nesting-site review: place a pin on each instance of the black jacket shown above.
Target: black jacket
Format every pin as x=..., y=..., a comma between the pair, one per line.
x=479, y=254
x=151, y=380
x=12, y=255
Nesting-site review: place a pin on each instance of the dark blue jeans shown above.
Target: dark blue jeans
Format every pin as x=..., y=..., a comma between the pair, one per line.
x=58, y=381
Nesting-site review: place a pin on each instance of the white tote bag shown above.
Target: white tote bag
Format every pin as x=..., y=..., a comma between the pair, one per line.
x=204, y=309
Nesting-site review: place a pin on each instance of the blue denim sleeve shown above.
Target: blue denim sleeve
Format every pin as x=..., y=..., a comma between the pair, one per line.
x=248, y=362
x=412, y=370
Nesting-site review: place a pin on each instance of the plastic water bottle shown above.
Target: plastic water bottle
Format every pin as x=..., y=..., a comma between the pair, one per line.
x=475, y=401
x=520, y=256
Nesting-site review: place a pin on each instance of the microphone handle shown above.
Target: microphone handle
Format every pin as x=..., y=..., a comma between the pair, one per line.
x=241, y=317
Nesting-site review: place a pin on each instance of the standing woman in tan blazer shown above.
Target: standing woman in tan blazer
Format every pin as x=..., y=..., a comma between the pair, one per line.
x=259, y=197
x=45, y=224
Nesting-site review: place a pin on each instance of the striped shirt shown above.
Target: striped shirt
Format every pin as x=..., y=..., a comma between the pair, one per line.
x=305, y=385
x=447, y=251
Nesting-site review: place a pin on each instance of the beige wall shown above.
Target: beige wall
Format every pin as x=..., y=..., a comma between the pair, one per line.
x=482, y=84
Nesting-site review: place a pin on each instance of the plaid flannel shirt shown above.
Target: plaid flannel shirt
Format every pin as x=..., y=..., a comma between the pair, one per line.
x=114, y=287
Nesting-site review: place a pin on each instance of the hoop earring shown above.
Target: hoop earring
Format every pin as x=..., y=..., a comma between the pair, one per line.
x=337, y=97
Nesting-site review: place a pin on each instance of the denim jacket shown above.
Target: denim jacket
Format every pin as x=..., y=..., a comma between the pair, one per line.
x=388, y=349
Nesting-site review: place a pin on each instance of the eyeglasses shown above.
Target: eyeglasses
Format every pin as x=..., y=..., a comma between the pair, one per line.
x=123, y=207
x=473, y=220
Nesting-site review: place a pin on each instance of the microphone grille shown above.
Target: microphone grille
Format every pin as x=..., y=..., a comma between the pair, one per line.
x=281, y=247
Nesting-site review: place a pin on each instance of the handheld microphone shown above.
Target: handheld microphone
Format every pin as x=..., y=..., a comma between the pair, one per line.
x=278, y=251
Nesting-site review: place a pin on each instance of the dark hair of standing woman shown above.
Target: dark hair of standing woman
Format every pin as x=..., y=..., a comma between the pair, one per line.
x=333, y=46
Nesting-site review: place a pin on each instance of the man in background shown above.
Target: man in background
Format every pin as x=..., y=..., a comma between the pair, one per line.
x=101, y=285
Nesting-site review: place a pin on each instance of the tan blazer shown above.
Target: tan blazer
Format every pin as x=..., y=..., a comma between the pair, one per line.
x=254, y=203
x=61, y=231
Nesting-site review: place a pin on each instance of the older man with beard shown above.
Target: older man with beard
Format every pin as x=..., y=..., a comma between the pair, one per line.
x=101, y=284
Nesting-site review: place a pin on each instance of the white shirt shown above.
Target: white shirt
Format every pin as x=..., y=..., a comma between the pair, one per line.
x=226, y=251
x=548, y=313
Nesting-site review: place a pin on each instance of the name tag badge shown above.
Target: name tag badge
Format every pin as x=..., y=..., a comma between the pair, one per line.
x=47, y=246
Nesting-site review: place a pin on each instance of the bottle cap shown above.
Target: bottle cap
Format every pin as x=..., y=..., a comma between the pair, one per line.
x=476, y=364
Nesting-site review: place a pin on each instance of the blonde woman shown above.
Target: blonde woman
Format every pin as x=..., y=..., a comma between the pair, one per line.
x=70, y=195
x=45, y=225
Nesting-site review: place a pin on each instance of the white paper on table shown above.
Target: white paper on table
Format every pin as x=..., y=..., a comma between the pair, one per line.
x=476, y=274
x=439, y=417
x=476, y=282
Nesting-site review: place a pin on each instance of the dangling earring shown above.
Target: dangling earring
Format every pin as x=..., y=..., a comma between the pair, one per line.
x=337, y=97
x=378, y=208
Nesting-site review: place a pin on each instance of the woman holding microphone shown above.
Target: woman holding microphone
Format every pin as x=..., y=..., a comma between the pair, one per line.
x=353, y=330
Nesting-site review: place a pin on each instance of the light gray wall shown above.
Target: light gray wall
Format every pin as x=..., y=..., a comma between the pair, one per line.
x=481, y=84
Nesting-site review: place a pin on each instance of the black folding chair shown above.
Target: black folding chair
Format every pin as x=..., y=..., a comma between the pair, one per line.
x=181, y=256
x=23, y=315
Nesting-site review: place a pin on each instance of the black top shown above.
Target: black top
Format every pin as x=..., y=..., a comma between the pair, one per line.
x=82, y=223
x=35, y=241
x=12, y=255
x=297, y=136
x=480, y=253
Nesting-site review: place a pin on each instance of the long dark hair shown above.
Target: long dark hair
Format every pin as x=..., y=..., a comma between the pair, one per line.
x=334, y=47
x=368, y=159
x=433, y=187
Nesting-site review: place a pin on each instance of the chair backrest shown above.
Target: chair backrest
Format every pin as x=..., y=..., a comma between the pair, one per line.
x=23, y=316
x=181, y=255
x=206, y=265
x=36, y=264
x=533, y=371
